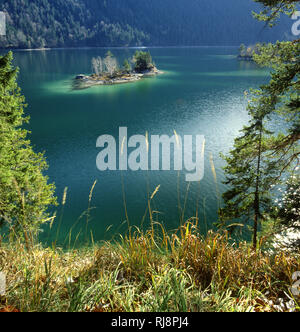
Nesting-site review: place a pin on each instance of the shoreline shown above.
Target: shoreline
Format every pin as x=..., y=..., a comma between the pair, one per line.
x=113, y=47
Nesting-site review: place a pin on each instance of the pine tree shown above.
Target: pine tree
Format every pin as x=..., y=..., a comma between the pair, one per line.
x=25, y=194
x=284, y=90
x=249, y=175
x=260, y=159
x=142, y=61
x=284, y=95
x=126, y=66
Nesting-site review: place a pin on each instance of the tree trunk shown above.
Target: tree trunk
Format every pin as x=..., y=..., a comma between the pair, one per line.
x=257, y=197
x=255, y=232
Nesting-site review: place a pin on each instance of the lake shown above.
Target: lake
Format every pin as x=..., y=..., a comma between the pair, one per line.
x=200, y=93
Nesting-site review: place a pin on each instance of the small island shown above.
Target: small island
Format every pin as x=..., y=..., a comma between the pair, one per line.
x=247, y=53
x=106, y=71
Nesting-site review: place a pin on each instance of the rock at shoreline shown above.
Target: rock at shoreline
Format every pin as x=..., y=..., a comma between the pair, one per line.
x=80, y=77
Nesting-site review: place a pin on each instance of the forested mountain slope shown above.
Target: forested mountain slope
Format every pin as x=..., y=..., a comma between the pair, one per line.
x=71, y=23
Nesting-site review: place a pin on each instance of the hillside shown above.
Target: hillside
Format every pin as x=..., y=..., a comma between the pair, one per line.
x=72, y=23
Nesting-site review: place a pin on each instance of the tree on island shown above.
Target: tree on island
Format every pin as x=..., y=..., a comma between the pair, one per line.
x=97, y=65
x=127, y=67
x=243, y=50
x=25, y=194
x=111, y=63
x=248, y=52
x=142, y=61
x=108, y=65
x=109, y=54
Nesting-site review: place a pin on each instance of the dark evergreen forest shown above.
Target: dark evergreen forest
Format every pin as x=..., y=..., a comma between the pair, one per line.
x=72, y=23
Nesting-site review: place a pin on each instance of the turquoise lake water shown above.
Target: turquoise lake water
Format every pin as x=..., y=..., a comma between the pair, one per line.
x=200, y=93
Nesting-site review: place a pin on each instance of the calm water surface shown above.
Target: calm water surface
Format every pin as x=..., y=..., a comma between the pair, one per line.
x=201, y=92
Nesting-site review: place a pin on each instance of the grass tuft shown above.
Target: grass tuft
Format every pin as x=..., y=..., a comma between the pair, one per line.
x=147, y=271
